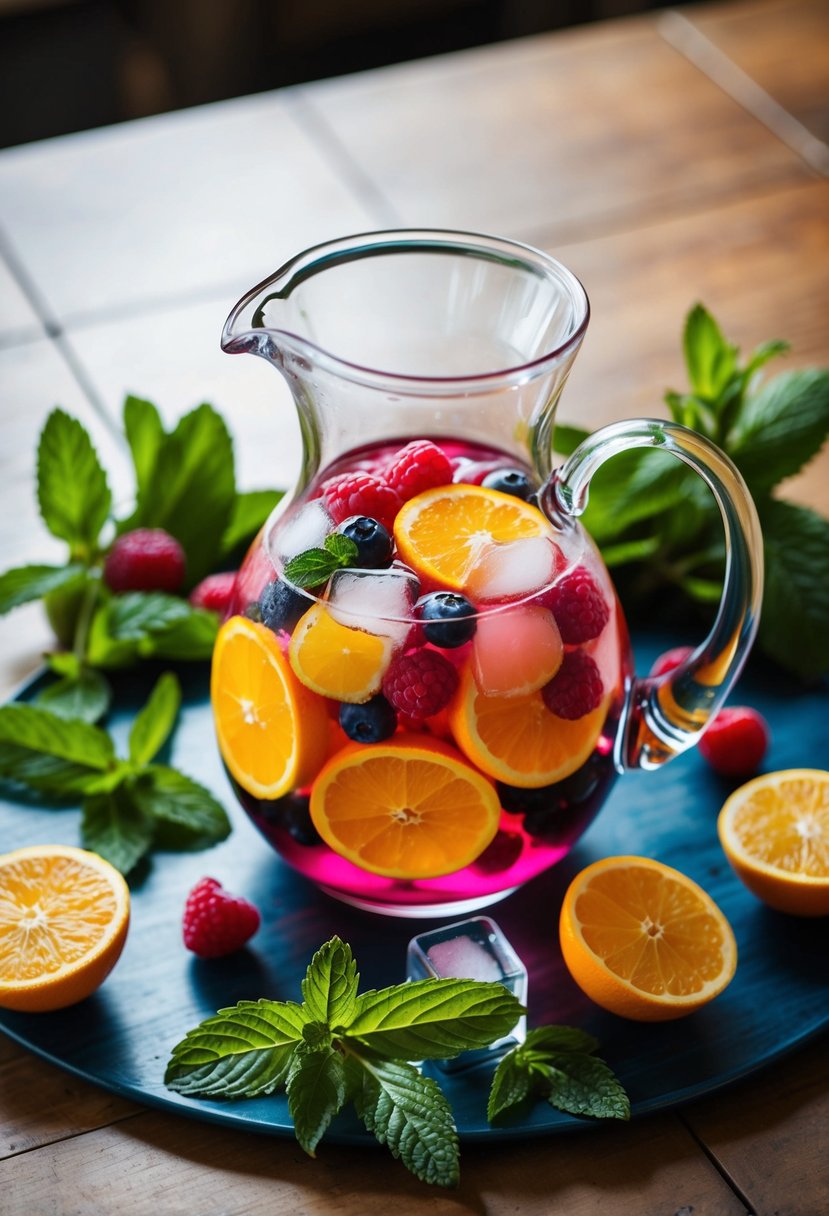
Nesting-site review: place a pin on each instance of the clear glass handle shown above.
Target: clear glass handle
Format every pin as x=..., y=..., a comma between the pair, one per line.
x=666, y=715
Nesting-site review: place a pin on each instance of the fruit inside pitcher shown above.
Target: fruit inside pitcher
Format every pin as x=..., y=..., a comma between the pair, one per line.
x=418, y=694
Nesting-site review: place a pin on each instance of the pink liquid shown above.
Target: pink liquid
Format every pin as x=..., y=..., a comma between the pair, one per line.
x=537, y=826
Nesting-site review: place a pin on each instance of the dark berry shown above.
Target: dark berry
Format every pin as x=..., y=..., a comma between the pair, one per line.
x=448, y=619
x=292, y=815
x=368, y=723
x=214, y=592
x=374, y=546
x=579, y=607
x=509, y=481
x=216, y=922
x=420, y=684
x=420, y=465
x=281, y=606
x=500, y=854
x=735, y=743
x=575, y=689
x=147, y=559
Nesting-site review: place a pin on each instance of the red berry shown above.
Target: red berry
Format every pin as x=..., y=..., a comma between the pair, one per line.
x=420, y=465
x=578, y=605
x=420, y=683
x=216, y=922
x=214, y=592
x=735, y=742
x=361, y=494
x=670, y=660
x=575, y=689
x=148, y=559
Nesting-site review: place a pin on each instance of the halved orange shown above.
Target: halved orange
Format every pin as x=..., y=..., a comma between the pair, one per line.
x=337, y=661
x=410, y=808
x=775, y=833
x=64, y=914
x=273, y=732
x=443, y=533
x=643, y=940
x=517, y=739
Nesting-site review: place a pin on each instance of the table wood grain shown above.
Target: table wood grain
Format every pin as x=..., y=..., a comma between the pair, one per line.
x=633, y=150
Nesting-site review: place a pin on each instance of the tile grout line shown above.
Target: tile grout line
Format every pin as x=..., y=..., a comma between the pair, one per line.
x=684, y=37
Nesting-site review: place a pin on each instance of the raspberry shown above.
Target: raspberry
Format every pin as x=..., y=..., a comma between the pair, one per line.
x=735, y=742
x=579, y=607
x=216, y=922
x=361, y=494
x=670, y=660
x=575, y=689
x=214, y=592
x=420, y=465
x=148, y=559
x=420, y=684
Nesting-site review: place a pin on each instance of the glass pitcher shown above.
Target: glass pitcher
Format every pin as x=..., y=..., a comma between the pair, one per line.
x=425, y=692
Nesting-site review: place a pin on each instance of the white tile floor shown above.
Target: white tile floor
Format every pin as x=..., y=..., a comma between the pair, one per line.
x=18, y=320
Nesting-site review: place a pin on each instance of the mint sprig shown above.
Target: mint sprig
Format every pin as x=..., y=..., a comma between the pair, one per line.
x=313, y=567
x=128, y=805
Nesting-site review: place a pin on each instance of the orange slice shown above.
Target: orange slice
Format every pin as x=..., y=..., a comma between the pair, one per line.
x=64, y=915
x=410, y=808
x=517, y=739
x=775, y=833
x=643, y=940
x=443, y=533
x=336, y=661
x=273, y=733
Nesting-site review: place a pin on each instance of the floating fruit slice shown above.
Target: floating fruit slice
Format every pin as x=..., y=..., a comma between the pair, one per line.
x=517, y=739
x=443, y=533
x=64, y=915
x=643, y=940
x=410, y=808
x=273, y=733
x=775, y=833
x=336, y=661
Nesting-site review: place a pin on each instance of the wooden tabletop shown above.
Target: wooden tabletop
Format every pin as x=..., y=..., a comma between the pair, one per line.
x=669, y=158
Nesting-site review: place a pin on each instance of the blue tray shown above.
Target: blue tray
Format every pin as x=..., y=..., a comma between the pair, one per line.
x=121, y=1037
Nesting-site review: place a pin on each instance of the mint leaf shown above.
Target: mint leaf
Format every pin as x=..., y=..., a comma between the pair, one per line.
x=31, y=737
x=433, y=1019
x=152, y=624
x=85, y=695
x=794, y=623
x=343, y=548
x=186, y=815
x=316, y=1092
x=711, y=361
x=72, y=489
x=511, y=1085
x=584, y=1085
x=250, y=511
x=145, y=435
x=556, y=1038
x=567, y=438
x=243, y=1052
x=155, y=721
x=780, y=428
x=409, y=1113
x=26, y=583
x=113, y=825
x=315, y=566
x=329, y=989
x=189, y=639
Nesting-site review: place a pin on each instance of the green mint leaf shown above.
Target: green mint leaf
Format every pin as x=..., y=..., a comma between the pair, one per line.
x=343, y=548
x=249, y=513
x=190, y=639
x=780, y=428
x=558, y=1039
x=137, y=615
x=154, y=723
x=35, y=733
x=242, y=1052
x=711, y=361
x=186, y=815
x=86, y=695
x=433, y=1019
x=631, y=551
x=141, y=624
x=145, y=435
x=584, y=1085
x=634, y=487
x=316, y=1034
x=794, y=623
x=311, y=568
x=407, y=1112
x=567, y=438
x=329, y=989
x=316, y=1093
x=72, y=489
x=113, y=825
x=511, y=1085
x=764, y=352
x=26, y=583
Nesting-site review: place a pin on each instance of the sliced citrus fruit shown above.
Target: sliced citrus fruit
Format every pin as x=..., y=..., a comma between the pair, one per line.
x=410, y=808
x=775, y=833
x=64, y=915
x=443, y=533
x=643, y=940
x=517, y=739
x=273, y=732
x=336, y=661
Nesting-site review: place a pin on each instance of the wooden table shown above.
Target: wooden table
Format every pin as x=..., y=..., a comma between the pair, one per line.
x=667, y=158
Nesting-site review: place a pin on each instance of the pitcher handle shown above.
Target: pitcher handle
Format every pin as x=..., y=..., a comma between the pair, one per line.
x=667, y=714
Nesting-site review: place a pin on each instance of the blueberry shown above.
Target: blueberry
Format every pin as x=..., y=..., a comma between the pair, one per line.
x=374, y=547
x=281, y=605
x=292, y=815
x=449, y=619
x=509, y=481
x=368, y=723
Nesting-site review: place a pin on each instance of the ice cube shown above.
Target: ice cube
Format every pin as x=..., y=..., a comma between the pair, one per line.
x=377, y=601
x=304, y=529
x=465, y=959
x=514, y=570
